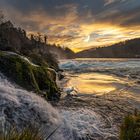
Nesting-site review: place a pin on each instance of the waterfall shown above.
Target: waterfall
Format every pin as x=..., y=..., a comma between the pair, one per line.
x=20, y=108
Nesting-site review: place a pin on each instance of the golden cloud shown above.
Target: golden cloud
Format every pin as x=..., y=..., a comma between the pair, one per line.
x=69, y=30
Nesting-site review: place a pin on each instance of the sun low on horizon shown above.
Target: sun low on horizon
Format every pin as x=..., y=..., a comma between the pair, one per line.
x=77, y=24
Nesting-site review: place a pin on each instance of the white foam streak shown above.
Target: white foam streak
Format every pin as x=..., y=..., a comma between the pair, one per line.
x=99, y=64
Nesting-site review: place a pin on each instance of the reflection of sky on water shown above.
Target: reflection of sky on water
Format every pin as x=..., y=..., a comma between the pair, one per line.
x=94, y=83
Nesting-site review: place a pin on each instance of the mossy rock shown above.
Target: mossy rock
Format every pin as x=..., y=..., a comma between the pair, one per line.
x=29, y=76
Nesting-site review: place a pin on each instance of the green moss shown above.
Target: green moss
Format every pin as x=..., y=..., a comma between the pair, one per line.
x=130, y=129
x=36, y=78
x=37, y=59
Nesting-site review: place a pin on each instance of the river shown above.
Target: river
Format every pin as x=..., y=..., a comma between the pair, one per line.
x=98, y=94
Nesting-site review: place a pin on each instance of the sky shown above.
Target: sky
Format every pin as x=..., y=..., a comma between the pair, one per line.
x=77, y=24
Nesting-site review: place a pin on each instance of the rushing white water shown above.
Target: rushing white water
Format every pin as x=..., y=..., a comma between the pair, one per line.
x=99, y=63
x=90, y=125
x=121, y=67
x=20, y=108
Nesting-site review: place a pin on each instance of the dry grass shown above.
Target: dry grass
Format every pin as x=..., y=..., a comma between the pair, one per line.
x=26, y=134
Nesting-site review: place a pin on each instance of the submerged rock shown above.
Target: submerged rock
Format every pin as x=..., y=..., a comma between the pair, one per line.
x=28, y=75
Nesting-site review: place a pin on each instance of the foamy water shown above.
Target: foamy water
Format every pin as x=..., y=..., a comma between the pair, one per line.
x=89, y=125
x=20, y=108
x=99, y=64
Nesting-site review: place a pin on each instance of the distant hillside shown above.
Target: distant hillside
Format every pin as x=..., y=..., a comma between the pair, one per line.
x=126, y=49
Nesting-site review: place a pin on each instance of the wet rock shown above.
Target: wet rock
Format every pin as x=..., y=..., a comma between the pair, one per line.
x=60, y=76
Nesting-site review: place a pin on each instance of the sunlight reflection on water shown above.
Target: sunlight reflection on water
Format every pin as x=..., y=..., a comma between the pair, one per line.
x=94, y=83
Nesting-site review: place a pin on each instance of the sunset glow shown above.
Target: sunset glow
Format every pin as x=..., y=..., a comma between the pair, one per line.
x=78, y=24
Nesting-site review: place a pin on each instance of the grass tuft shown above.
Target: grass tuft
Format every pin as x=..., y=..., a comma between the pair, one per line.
x=130, y=129
x=26, y=134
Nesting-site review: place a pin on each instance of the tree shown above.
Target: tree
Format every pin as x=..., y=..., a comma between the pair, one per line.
x=31, y=37
x=39, y=37
x=45, y=39
x=1, y=17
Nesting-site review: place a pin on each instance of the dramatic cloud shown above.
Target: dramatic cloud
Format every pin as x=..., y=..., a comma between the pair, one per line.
x=107, y=2
x=78, y=24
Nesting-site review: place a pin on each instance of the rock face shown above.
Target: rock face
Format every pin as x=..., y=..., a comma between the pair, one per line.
x=23, y=72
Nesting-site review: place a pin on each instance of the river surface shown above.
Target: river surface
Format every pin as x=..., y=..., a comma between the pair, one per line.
x=98, y=94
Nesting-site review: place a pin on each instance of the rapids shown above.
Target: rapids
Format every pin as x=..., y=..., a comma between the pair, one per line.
x=20, y=108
